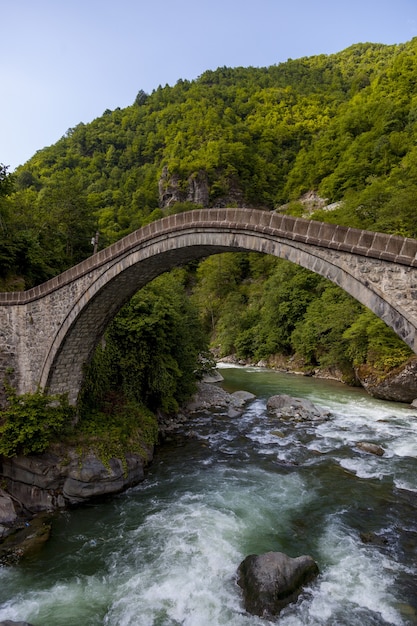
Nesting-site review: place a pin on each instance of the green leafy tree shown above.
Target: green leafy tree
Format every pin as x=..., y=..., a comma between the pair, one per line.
x=319, y=336
x=370, y=342
x=32, y=421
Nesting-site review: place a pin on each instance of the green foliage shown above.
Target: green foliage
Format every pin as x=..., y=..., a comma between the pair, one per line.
x=287, y=294
x=151, y=351
x=318, y=337
x=371, y=342
x=6, y=181
x=32, y=421
x=261, y=136
x=344, y=125
x=131, y=428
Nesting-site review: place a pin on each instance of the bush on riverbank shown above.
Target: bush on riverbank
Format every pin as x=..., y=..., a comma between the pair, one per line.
x=32, y=421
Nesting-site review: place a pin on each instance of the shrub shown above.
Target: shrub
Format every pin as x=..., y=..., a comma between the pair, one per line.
x=31, y=421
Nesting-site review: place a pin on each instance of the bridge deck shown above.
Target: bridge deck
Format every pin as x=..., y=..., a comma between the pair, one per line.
x=402, y=250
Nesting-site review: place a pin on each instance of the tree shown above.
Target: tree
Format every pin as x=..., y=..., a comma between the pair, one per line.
x=6, y=181
x=65, y=219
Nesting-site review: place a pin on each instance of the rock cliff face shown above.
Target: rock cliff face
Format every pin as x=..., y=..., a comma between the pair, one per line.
x=196, y=189
x=172, y=189
x=50, y=481
x=400, y=385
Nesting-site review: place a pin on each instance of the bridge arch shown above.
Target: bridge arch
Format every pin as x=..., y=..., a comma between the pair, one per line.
x=60, y=323
x=87, y=319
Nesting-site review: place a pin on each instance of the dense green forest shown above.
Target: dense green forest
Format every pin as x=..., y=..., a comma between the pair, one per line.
x=329, y=137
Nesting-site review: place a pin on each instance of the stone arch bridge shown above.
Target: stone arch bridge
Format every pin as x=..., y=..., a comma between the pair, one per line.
x=48, y=333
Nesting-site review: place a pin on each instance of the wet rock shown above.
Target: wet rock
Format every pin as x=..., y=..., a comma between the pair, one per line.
x=277, y=433
x=26, y=540
x=240, y=398
x=8, y=515
x=371, y=448
x=300, y=409
x=273, y=580
x=213, y=377
x=374, y=539
x=92, y=478
x=210, y=396
x=47, y=482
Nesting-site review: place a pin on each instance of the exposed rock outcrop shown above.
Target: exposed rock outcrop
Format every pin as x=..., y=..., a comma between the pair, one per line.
x=298, y=409
x=172, y=190
x=8, y=514
x=400, y=385
x=51, y=481
x=273, y=580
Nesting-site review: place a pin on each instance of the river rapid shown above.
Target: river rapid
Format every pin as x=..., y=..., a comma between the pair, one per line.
x=165, y=553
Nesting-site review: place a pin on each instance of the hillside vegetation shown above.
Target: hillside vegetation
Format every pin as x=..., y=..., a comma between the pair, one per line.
x=340, y=130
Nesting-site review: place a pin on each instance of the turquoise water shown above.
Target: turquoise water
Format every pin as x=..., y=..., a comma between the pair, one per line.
x=166, y=552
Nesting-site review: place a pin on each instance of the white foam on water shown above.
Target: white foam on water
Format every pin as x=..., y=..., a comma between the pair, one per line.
x=353, y=588
x=191, y=580
x=80, y=600
x=406, y=484
x=198, y=542
x=365, y=468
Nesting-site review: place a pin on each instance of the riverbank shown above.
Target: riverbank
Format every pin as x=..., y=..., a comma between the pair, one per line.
x=396, y=385
x=36, y=486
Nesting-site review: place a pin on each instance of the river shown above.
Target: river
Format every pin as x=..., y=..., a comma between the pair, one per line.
x=165, y=553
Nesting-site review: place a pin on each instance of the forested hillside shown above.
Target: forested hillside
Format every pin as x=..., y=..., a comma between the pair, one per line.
x=339, y=131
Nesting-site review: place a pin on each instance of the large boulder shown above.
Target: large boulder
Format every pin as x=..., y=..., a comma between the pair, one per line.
x=273, y=580
x=8, y=513
x=51, y=481
x=299, y=409
x=92, y=478
x=371, y=448
x=400, y=385
x=210, y=396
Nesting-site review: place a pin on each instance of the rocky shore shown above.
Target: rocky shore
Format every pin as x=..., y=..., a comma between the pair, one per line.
x=36, y=486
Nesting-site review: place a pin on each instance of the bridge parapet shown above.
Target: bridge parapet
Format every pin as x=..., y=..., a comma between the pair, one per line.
x=370, y=244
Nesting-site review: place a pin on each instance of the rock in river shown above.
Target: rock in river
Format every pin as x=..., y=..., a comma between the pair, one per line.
x=210, y=396
x=372, y=448
x=299, y=409
x=272, y=580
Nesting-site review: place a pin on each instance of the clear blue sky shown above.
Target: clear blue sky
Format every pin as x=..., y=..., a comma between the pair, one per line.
x=67, y=61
